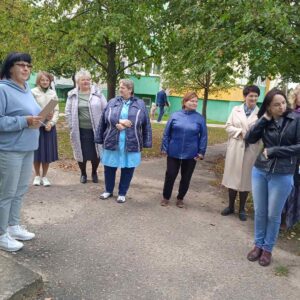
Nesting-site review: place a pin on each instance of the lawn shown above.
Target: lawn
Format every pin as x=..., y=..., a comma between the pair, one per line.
x=215, y=136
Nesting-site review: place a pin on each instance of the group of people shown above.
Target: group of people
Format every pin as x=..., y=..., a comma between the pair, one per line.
x=262, y=154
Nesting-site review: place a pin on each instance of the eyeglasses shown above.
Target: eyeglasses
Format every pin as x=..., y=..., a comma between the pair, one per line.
x=23, y=66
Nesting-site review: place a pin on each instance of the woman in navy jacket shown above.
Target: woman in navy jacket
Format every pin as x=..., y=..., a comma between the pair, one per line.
x=184, y=142
x=124, y=130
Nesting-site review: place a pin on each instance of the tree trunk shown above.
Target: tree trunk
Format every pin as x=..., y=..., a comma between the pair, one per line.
x=204, y=106
x=206, y=92
x=112, y=71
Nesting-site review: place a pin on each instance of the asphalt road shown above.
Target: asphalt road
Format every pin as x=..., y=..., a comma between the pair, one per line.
x=88, y=248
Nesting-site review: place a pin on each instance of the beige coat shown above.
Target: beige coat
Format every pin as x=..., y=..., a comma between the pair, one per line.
x=239, y=159
x=42, y=98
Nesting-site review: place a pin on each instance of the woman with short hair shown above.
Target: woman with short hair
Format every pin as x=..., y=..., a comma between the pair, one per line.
x=184, y=142
x=291, y=212
x=47, y=151
x=240, y=156
x=84, y=107
x=124, y=131
x=19, y=135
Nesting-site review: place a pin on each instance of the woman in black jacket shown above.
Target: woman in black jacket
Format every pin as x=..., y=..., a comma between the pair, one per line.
x=272, y=174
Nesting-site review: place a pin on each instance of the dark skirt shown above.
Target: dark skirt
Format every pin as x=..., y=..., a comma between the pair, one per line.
x=87, y=144
x=47, y=151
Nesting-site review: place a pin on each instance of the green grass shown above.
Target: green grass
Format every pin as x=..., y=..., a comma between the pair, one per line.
x=215, y=136
x=62, y=105
x=281, y=271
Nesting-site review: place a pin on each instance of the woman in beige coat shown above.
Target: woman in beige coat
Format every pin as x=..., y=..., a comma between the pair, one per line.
x=240, y=157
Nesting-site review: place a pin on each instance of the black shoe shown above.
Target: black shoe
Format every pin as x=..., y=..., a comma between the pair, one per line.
x=83, y=179
x=227, y=211
x=243, y=216
x=95, y=178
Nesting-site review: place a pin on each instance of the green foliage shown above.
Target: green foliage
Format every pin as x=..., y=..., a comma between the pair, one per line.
x=65, y=35
x=261, y=34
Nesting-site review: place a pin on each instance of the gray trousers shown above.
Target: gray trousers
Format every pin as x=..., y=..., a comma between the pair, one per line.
x=15, y=175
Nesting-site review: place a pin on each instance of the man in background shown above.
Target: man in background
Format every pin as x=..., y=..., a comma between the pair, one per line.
x=161, y=102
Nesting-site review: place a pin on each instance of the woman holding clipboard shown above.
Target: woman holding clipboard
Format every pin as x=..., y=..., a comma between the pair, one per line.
x=47, y=151
x=19, y=137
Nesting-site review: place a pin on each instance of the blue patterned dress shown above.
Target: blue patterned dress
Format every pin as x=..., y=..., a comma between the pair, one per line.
x=120, y=158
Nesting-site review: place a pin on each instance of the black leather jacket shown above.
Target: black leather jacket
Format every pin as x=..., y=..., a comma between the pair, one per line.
x=283, y=145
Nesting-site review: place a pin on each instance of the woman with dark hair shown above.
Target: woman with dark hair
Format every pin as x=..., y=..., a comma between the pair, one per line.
x=240, y=157
x=19, y=136
x=184, y=142
x=47, y=151
x=272, y=174
x=124, y=130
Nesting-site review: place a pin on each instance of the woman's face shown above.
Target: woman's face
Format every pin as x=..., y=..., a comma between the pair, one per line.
x=84, y=83
x=124, y=91
x=191, y=104
x=251, y=99
x=44, y=82
x=20, y=71
x=277, y=106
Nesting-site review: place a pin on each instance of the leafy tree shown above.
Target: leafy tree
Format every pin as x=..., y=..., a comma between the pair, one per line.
x=97, y=35
x=190, y=61
x=263, y=35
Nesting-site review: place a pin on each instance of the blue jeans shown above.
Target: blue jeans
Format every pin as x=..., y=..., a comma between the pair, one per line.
x=270, y=191
x=110, y=178
x=161, y=112
x=15, y=174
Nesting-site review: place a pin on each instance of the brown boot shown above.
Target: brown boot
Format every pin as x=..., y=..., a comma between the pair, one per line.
x=265, y=258
x=254, y=254
x=164, y=202
x=180, y=203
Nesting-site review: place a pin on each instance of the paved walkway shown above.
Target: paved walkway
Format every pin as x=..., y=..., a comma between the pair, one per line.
x=88, y=248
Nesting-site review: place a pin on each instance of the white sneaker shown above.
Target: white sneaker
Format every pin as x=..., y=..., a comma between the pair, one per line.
x=45, y=181
x=20, y=233
x=37, y=180
x=7, y=243
x=121, y=199
x=105, y=195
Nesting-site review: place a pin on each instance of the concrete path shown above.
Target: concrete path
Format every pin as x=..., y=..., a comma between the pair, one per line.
x=88, y=248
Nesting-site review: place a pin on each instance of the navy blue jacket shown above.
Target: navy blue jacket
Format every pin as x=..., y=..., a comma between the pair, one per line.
x=138, y=136
x=161, y=98
x=185, y=135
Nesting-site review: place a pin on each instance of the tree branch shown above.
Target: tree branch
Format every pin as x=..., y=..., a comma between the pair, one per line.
x=134, y=63
x=95, y=59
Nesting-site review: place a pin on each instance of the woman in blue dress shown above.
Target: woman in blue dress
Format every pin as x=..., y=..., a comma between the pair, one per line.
x=124, y=130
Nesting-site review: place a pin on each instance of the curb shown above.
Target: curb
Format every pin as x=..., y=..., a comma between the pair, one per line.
x=18, y=282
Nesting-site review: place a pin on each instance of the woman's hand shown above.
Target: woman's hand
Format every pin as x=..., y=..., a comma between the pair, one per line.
x=265, y=153
x=125, y=122
x=163, y=152
x=33, y=121
x=48, y=127
x=120, y=127
x=199, y=157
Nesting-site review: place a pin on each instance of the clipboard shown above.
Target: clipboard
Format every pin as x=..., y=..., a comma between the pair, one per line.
x=49, y=108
